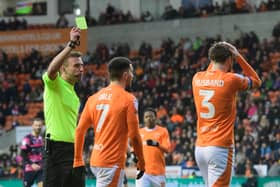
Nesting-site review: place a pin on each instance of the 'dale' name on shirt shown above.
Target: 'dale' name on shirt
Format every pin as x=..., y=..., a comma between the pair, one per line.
x=105, y=96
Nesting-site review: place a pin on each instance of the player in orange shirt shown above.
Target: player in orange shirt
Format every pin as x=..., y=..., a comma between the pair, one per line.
x=113, y=114
x=214, y=93
x=156, y=142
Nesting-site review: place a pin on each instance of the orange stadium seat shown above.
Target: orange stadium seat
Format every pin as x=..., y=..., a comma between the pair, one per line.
x=156, y=53
x=133, y=54
x=32, y=108
x=35, y=83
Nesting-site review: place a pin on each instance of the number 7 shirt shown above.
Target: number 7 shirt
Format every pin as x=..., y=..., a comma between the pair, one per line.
x=112, y=112
x=215, y=101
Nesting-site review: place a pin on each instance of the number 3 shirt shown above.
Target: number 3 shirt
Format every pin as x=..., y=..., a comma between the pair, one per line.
x=215, y=101
x=113, y=114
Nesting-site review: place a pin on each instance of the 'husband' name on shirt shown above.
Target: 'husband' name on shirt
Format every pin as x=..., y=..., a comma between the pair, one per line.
x=207, y=82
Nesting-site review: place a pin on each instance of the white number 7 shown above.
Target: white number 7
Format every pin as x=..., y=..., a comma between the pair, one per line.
x=105, y=109
x=208, y=94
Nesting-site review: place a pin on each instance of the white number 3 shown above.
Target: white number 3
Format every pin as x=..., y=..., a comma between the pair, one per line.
x=208, y=94
x=105, y=109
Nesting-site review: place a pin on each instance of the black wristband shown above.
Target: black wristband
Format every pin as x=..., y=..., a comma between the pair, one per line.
x=72, y=44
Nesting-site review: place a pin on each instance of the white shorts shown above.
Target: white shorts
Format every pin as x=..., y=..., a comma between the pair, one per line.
x=215, y=164
x=151, y=181
x=106, y=177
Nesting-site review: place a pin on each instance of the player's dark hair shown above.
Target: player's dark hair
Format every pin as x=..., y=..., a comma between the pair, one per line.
x=117, y=66
x=219, y=53
x=149, y=109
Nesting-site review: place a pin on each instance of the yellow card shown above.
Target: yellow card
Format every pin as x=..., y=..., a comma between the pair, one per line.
x=81, y=22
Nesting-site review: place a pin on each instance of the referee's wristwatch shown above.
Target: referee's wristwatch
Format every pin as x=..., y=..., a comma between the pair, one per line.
x=72, y=44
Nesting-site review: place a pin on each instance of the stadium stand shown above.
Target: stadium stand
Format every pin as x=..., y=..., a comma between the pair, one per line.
x=163, y=81
x=111, y=15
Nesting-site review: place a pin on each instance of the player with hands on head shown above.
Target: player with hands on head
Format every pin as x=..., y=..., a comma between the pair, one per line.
x=61, y=107
x=232, y=48
x=214, y=92
x=156, y=143
x=113, y=114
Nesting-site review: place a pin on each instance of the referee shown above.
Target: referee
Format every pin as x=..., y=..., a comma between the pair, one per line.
x=61, y=105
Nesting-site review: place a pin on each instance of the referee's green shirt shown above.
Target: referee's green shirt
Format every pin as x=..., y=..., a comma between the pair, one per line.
x=61, y=105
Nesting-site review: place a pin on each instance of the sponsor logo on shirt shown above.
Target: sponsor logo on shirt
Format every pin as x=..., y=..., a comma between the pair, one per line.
x=98, y=147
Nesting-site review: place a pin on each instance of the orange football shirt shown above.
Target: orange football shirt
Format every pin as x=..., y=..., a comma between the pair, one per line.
x=113, y=114
x=215, y=101
x=153, y=156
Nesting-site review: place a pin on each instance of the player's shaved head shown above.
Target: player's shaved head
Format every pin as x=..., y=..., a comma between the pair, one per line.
x=117, y=66
x=219, y=53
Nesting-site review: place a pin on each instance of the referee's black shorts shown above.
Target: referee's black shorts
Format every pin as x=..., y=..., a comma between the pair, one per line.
x=58, y=164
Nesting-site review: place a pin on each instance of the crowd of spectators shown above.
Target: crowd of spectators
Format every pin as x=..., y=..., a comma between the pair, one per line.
x=214, y=9
x=62, y=22
x=163, y=81
x=17, y=23
x=13, y=24
x=112, y=15
x=115, y=16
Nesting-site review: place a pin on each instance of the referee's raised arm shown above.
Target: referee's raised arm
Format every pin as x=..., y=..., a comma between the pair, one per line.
x=61, y=109
x=56, y=63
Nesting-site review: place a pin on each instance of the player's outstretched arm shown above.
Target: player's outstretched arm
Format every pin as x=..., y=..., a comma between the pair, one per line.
x=84, y=124
x=59, y=59
x=164, y=148
x=247, y=69
x=136, y=143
